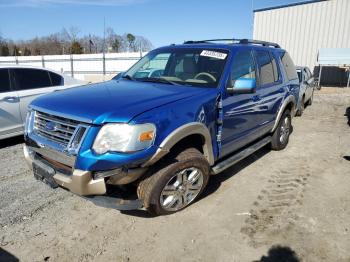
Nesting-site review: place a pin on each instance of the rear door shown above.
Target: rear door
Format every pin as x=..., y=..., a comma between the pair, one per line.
x=10, y=117
x=31, y=83
x=269, y=91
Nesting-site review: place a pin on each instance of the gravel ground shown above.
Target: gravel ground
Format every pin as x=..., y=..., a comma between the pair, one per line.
x=291, y=204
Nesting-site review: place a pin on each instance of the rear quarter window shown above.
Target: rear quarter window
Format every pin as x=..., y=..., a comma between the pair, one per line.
x=288, y=66
x=56, y=79
x=266, y=68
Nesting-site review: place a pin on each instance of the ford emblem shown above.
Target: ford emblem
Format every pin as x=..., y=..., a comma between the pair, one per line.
x=51, y=126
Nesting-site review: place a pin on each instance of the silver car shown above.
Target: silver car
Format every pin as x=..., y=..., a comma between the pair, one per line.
x=306, y=92
x=19, y=85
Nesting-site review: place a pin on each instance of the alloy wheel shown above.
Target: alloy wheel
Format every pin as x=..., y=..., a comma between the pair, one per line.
x=181, y=189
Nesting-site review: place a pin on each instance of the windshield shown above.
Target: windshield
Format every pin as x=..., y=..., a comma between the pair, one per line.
x=181, y=66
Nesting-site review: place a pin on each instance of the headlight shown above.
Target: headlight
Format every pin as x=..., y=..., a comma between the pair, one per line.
x=124, y=138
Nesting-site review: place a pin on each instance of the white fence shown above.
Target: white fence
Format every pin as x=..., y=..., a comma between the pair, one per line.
x=89, y=67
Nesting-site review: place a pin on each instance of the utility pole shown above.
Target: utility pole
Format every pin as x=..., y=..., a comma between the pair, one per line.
x=252, y=21
x=104, y=47
x=104, y=34
x=90, y=43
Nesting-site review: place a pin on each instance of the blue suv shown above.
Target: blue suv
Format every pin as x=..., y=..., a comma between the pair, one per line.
x=211, y=104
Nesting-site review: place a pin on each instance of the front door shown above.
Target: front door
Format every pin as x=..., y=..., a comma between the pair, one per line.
x=239, y=110
x=10, y=117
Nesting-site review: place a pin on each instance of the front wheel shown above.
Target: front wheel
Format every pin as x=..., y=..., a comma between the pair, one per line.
x=280, y=137
x=176, y=184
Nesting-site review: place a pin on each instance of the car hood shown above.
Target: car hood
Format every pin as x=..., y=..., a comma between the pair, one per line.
x=113, y=101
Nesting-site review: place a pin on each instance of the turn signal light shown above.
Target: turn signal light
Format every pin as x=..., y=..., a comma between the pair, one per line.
x=146, y=136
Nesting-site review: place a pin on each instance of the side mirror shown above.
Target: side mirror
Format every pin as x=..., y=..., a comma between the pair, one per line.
x=242, y=86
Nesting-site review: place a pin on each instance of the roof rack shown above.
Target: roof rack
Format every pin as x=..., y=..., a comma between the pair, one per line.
x=258, y=42
x=212, y=40
x=236, y=41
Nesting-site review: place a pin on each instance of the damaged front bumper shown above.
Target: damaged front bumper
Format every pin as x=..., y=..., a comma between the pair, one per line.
x=92, y=186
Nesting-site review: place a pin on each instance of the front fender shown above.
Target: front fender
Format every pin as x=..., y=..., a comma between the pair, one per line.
x=180, y=133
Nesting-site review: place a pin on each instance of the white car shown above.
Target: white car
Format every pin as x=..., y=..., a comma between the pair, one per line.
x=19, y=85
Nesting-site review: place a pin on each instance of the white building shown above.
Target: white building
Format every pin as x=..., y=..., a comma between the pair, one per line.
x=304, y=28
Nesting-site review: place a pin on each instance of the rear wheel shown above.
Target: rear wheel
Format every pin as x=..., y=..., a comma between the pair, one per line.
x=280, y=137
x=176, y=184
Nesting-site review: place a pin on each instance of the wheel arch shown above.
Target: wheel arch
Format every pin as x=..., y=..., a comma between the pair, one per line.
x=288, y=103
x=196, y=132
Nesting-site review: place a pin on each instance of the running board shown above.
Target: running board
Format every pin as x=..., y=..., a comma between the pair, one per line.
x=221, y=166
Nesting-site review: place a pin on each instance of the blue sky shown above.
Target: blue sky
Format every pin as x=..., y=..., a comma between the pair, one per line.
x=161, y=21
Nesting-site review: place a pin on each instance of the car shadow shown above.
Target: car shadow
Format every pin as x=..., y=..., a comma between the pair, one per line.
x=7, y=256
x=11, y=141
x=346, y=158
x=280, y=254
x=347, y=114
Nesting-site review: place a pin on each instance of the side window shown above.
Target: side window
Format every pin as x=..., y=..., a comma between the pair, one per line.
x=288, y=66
x=4, y=81
x=266, y=71
x=308, y=72
x=31, y=78
x=300, y=76
x=243, y=66
x=56, y=79
x=306, y=75
x=275, y=70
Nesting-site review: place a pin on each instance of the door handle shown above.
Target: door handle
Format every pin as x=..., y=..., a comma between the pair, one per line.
x=10, y=99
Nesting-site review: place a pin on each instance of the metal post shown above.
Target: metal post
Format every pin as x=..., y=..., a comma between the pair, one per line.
x=43, y=61
x=319, y=76
x=71, y=66
x=104, y=63
x=140, y=50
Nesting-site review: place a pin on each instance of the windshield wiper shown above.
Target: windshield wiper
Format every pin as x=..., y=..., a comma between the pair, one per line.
x=129, y=77
x=157, y=80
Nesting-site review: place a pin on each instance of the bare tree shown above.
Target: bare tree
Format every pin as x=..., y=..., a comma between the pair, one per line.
x=62, y=43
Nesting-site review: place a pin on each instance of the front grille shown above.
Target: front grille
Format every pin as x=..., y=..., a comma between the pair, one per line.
x=55, y=128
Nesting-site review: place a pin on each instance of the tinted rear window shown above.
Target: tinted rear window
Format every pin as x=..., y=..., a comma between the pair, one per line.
x=266, y=70
x=31, y=78
x=288, y=66
x=4, y=81
x=56, y=79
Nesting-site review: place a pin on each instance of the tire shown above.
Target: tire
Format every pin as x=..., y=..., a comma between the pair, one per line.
x=169, y=188
x=280, y=137
x=302, y=107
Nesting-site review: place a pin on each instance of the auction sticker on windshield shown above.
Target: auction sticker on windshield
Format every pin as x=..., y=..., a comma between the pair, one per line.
x=213, y=54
